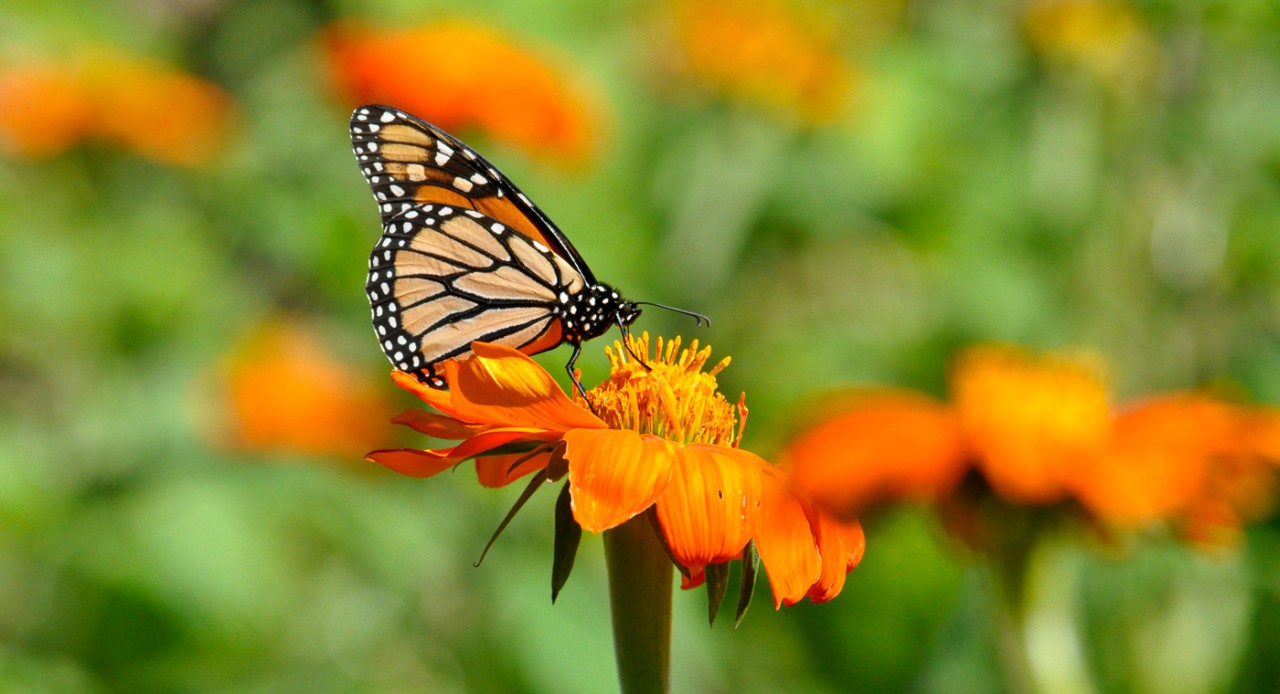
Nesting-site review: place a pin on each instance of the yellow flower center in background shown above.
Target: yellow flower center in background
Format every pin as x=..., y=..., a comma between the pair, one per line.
x=669, y=395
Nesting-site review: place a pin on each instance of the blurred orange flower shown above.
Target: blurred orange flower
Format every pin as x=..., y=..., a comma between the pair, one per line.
x=284, y=393
x=902, y=445
x=153, y=110
x=459, y=76
x=1106, y=37
x=660, y=436
x=1040, y=430
x=764, y=53
x=1029, y=419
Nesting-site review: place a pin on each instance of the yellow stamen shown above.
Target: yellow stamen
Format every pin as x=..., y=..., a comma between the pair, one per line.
x=669, y=395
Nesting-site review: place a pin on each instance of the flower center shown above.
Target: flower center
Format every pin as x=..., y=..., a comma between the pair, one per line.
x=666, y=393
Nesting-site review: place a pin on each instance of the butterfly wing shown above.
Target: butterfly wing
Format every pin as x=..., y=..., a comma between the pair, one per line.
x=440, y=278
x=409, y=162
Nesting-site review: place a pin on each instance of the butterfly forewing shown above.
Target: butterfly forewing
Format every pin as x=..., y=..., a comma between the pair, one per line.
x=409, y=162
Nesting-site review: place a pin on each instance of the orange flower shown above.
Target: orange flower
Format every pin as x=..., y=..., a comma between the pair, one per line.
x=1040, y=431
x=660, y=437
x=158, y=112
x=879, y=446
x=460, y=76
x=1029, y=420
x=764, y=54
x=284, y=393
x=1240, y=481
x=1155, y=460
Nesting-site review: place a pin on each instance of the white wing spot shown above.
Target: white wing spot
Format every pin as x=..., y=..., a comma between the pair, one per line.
x=446, y=211
x=387, y=117
x=462, y=184
x=396, y=190
x=497, y=228
x=478, y=179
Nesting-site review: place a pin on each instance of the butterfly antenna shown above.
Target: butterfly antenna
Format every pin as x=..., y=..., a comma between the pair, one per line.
x=701, y=319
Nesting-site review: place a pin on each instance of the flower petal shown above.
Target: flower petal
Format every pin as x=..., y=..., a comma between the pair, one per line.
x=877, y=446
x=439, y=399
x=413, y=462
x=480, y=443
x=502, y=386
x=436, y=425
x=842, y=546
x=785, y=538
x=615, y=474
x=1156, y=459
x=1030, y=418
x=497, y=471
x=709, y=510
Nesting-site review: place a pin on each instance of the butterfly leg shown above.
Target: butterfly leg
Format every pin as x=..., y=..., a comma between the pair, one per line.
x=626, y=342
x=573, y=358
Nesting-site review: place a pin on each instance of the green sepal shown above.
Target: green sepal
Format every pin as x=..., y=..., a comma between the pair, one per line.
x=537, y=480
x=747, y=586
x=651, y=515
x=568, y=536
x=717, y=581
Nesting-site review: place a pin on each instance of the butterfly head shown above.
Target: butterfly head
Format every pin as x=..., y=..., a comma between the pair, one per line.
x=590, y=313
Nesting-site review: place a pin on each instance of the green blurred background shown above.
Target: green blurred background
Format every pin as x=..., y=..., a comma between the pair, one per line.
x=1084, y=173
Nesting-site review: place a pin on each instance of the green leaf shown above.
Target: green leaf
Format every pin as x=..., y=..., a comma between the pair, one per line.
x=568, y=536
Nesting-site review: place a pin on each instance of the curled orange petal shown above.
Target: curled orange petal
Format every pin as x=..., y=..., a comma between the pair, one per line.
x=502, y=386
x=784, y=536
x=842, y=546
x=413, y=462
x=615, y=474
x=436, y=425
x=710, y=508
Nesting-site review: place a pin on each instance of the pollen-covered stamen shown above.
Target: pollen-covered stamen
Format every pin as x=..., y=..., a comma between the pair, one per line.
x=669, y=395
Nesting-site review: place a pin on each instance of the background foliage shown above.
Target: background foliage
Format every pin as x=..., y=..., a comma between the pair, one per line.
x=1081, y=173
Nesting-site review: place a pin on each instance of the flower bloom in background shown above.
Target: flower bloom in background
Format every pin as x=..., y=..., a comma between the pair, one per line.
x=461, y=76
x=1105, y=37
x=1040, y=430
x=659, y=439
x=284, y=393
x=151, y=109
x=905, y=447
x=761, y=52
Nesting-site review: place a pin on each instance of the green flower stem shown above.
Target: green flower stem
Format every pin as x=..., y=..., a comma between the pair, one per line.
x=640, y=577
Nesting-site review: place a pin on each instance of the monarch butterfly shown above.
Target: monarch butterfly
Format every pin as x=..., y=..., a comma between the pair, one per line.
x=465, y=256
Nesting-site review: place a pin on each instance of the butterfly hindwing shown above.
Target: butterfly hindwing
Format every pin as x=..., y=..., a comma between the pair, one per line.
x=441, y=277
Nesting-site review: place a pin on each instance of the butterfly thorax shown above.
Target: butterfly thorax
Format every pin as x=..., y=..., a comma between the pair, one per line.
x=591, y=312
